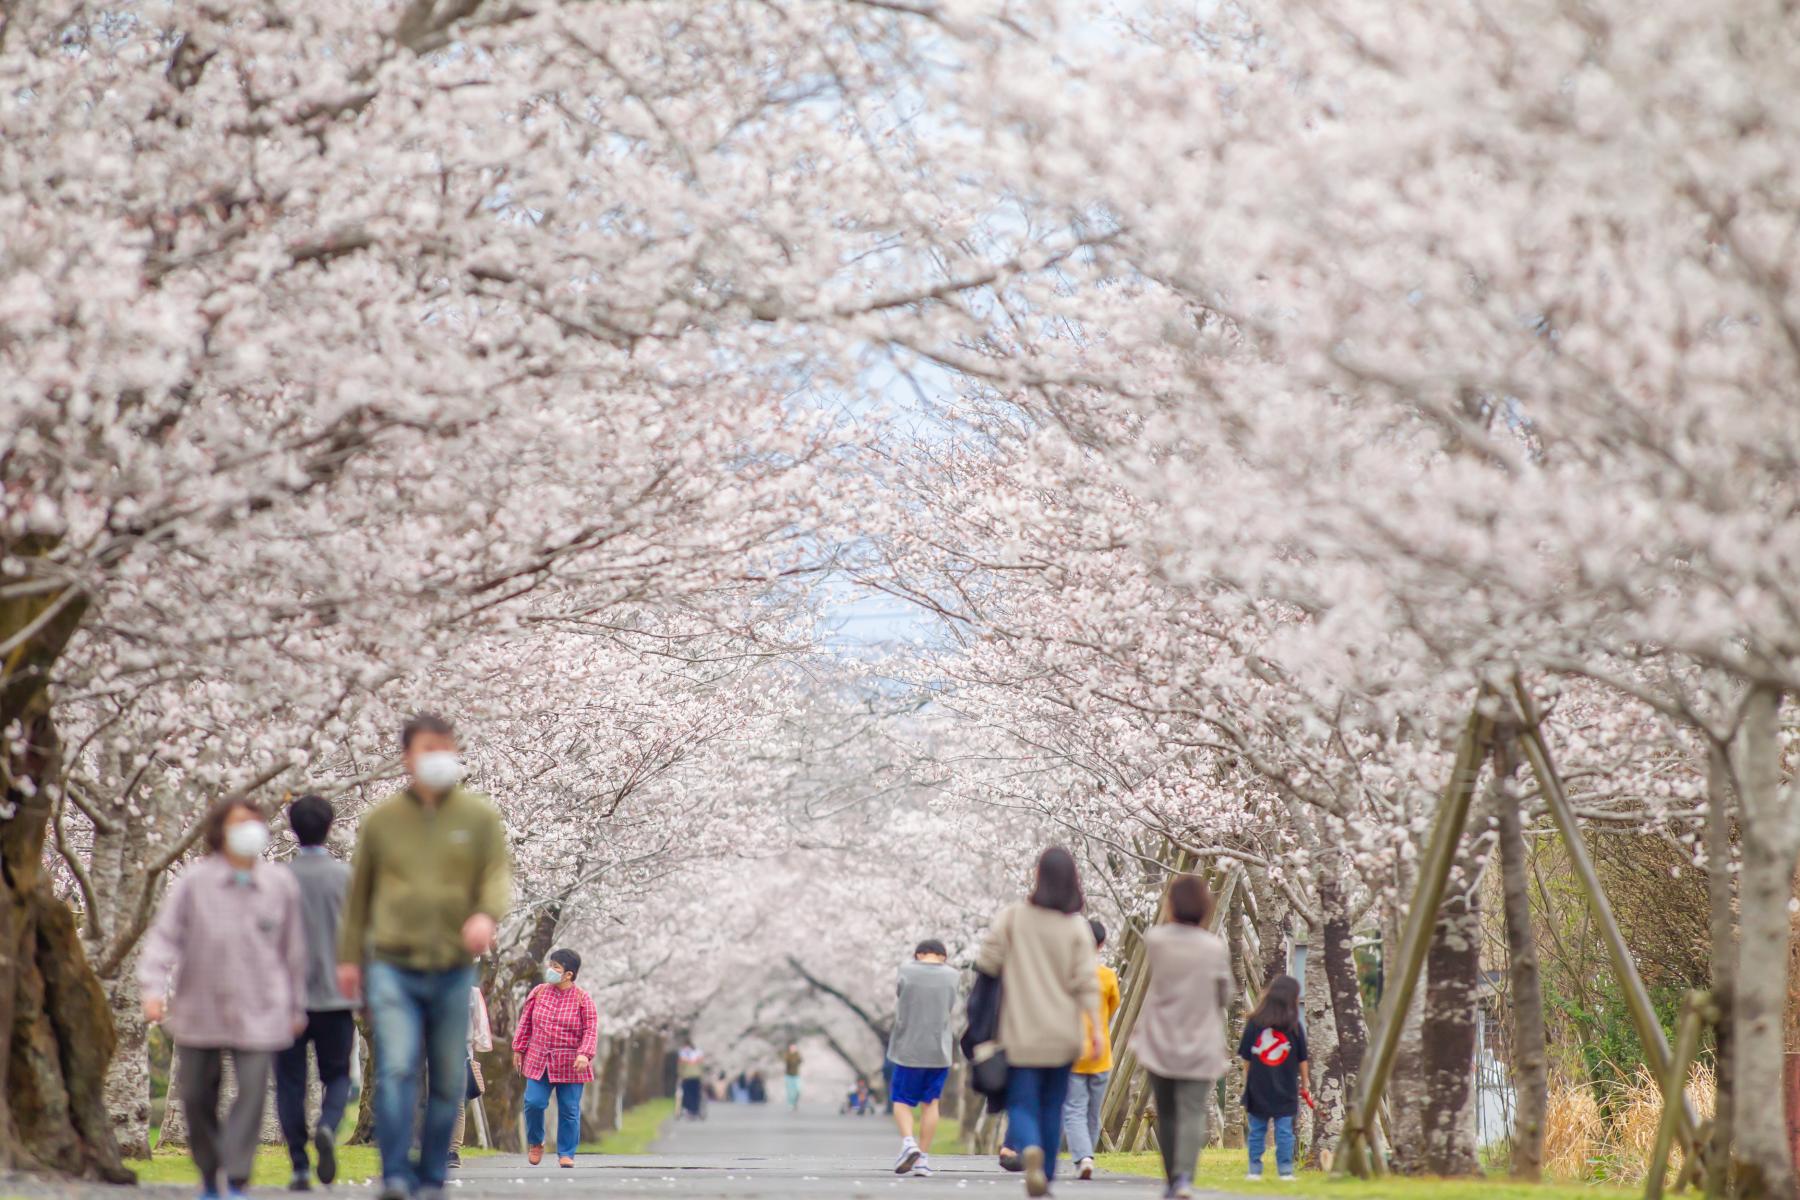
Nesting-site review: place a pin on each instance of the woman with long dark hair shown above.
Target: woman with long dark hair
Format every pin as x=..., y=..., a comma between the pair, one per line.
x=1276, y=1073
x=1180, y=1036
x=1043, y=953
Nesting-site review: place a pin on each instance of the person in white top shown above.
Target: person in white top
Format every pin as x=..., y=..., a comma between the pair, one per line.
x=481, y=1041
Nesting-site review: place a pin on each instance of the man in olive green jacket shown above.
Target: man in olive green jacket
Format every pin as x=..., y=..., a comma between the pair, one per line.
x=430, y=881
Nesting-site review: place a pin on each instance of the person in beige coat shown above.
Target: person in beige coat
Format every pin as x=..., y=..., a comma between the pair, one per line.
x=1180, y=1035
x=1043, y=952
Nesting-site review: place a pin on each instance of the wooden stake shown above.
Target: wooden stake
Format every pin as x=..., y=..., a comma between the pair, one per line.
x=1687, y=1046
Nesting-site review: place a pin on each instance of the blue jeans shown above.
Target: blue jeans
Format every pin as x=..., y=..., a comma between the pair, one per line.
x=568, y=1114
x=1034, y=1108
x=1284, y=1143
x=1081, y=1113
x=420, y=1019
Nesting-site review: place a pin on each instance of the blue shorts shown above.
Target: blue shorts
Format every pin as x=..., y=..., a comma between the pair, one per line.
x=914, y=1086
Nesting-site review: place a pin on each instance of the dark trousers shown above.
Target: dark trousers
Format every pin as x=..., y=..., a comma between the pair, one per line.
x=1180, y=1123
x=332, y=1035
x=229, y=1146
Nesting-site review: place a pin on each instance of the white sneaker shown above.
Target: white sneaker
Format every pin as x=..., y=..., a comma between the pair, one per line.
x=1288, y=1178
x=922, y=1168
x=910, y=1154
x=1085, y=1168
x=1254, y=1177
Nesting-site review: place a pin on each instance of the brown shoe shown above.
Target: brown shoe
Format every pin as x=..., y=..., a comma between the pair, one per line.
x=534, y=1155
x=565, y=1161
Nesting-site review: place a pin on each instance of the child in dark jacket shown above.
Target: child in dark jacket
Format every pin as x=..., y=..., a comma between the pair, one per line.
x=1276, y=1073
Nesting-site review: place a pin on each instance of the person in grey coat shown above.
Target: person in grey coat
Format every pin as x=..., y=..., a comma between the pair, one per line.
x=330, y=1015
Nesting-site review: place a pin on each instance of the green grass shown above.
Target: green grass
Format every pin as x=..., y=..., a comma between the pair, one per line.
x=355, y=1164
x=637, y=1130
x=1224, y=1170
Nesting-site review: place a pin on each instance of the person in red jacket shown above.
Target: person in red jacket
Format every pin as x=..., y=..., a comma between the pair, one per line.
x=553, y=1048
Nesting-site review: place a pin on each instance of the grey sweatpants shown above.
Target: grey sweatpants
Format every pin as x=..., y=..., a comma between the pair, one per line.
x=1180, y=1122
x=230, y=1147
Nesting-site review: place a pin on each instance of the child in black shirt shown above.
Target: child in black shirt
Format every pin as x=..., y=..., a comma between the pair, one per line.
x=1274, y=1051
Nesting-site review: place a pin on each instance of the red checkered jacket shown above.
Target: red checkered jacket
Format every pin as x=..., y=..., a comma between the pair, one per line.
x=556, y=1026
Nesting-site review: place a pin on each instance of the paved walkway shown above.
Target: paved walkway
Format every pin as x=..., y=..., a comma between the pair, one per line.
x=765, y=1152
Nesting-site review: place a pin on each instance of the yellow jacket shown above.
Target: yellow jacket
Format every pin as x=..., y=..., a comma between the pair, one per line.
x=1109, y=1004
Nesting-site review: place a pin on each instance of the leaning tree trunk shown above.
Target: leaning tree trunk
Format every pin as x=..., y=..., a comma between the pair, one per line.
x=1765, y=886
x=1452, y=1010
x=1530, y=1050
x=53, y=1012
x=1337, y=944
x=364, y=1133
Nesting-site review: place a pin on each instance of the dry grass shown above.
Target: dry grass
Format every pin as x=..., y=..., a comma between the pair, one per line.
x=1582, y=1142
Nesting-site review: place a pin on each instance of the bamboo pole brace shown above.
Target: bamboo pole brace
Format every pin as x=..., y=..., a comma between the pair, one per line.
x=1687, y=1046
x=1421, y=919
x=1637, y=997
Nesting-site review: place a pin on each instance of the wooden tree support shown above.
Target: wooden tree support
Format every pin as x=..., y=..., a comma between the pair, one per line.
x=1624, y=968
x=1359, y=1152
x=1697, y=1012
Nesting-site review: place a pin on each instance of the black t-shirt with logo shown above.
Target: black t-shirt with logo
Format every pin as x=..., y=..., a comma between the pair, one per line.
x=1272, y=1088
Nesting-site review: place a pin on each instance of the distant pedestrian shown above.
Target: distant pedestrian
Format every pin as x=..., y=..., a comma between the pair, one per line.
x=330, y=1016
x=430, y=880
x=481, y=1041
x=920, y=1048
x=740, y=1089
x=690, y=1071
x=1043, y=953
x=553, y=1047
x=791, y=1062
x=1180, y=1035
x=1087, y=1082
x=1276, y=1073
x=759, y=1088
x=224, y=970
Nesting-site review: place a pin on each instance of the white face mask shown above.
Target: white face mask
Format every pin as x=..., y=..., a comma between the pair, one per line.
x=247, y=839
x=440, y=770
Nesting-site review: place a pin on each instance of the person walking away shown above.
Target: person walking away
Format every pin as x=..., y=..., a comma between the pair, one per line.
x=1043, y=953
x=1276, y=1072
x=791, y=1065
x=223, y=970
x=1180, y=1035
x=690, y=1069
x=920, y=1049
x=553, y=1048
x=330, y=1016
x=430, y=881
x=481, y=1041
x=1087, y=1082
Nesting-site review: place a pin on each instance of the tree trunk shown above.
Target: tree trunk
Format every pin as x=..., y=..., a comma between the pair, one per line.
x=1530, y=1052
x=1721, y=888
x=1337, y=943
x=1765, y=885
x=128, y=1075
x=607, y=1092
x=1405, y=1092
x=364, y=1133
x=1452, y=1012
x=1327, y=1063
x=53, y=1011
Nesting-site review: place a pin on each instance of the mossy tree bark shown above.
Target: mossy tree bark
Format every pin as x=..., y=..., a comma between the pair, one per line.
x=53, y=1012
